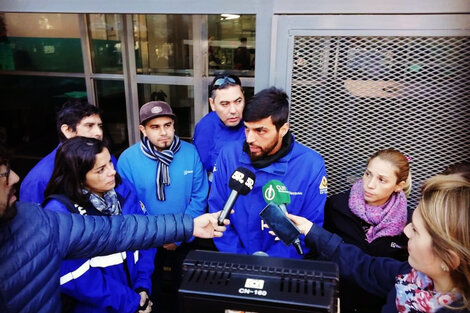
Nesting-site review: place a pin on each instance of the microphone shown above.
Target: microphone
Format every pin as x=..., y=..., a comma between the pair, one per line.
x=276, y=192
x=241, y=182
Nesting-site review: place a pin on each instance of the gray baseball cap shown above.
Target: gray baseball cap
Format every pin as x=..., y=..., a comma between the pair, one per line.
x=154, y=109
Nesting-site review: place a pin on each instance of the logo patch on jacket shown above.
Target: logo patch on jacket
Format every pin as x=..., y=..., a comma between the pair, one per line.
x=142, y=206
x=323, y=185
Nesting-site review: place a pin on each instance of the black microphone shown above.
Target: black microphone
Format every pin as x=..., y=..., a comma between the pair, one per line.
x=241, y=182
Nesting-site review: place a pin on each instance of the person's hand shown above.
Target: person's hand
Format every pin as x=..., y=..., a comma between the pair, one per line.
x=205, y=226
x=170, y=246
x=272, y=233
x=144, y=297
x=303, y=224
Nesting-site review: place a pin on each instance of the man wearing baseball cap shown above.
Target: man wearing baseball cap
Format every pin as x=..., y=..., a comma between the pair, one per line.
x=168, y=175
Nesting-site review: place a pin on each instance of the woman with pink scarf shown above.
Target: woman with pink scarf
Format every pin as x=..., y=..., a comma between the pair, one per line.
x=372, y=216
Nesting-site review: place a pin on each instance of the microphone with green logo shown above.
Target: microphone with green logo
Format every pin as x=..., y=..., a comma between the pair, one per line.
x=276, y=192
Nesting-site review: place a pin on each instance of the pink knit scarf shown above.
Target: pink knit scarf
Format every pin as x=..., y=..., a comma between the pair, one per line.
x=388, y=219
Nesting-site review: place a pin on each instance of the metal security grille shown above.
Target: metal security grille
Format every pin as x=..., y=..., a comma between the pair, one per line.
x=351, y=96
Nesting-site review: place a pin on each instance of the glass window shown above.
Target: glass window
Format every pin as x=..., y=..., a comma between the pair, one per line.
x=27, y=114
x=112, y=102
x=40, y=42
x=181, y=100
x=232, y=44
x=162, y=44
x=105, y=43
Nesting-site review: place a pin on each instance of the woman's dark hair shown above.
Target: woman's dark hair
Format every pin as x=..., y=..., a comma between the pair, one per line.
x=268, y=102
x=74, y=159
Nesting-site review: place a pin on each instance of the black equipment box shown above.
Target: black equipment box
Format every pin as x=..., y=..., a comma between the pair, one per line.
x=216, y=282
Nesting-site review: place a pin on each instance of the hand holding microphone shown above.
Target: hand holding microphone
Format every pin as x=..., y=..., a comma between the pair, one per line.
x=241, y=182
x=274, y=191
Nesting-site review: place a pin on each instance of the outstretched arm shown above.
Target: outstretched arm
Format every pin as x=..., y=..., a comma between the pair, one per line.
x=205, y=226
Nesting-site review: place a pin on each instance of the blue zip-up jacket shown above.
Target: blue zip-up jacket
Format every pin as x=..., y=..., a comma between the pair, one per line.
x=187, y=192
x=377, y=275
x=35, y=182
x=34, y=242
x=302, y=171
x=100, y=284
x=211, y=134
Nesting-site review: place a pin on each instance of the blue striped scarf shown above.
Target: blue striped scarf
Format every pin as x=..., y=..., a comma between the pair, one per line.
x=163, y=159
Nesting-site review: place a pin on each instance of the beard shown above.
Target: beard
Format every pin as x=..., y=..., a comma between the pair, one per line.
x=10, y=210
x=263, y=151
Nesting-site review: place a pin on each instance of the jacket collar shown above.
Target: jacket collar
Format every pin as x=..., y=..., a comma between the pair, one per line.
x=277, y=168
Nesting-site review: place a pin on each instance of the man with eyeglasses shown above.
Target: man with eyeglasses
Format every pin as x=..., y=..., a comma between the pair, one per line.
x=224, y=123
x=33, y=242
x=271, y=152
x=75, y=118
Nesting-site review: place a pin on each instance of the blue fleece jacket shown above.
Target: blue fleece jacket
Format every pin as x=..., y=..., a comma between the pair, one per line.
x=302, y=171
x=187, y=192
x=100, y=284
x=211, y=134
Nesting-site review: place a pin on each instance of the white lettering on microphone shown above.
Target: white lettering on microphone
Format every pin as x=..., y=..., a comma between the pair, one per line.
x=238, y=176
x=249, y=183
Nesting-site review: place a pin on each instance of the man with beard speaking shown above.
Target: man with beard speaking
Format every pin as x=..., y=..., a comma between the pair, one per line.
x=270, y=152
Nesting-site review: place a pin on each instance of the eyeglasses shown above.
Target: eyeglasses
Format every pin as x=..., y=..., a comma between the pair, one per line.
x=6, y=174
x=221, y=82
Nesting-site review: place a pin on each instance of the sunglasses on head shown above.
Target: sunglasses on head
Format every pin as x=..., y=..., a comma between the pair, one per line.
x=221, y=82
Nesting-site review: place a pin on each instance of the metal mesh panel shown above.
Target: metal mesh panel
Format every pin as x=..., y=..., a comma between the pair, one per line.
x=351, y=96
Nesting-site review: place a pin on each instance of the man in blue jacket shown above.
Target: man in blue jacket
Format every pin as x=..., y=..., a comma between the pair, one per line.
x=76, y=118
x=33, y=241
x=270, y=152
x=169, y=178
x=222, y=125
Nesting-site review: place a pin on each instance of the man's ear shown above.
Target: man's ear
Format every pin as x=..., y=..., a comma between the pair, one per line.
x=284, y=129
x=142, y=130
x=212, y=104
x=67, y=131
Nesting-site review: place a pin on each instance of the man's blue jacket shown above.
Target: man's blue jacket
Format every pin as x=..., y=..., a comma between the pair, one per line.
x=187, y=192
x=35, y=182
x=33, y=244
x=302, y=171
x=211, y=134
